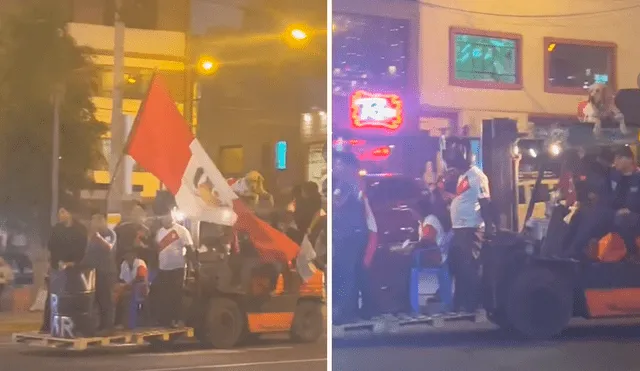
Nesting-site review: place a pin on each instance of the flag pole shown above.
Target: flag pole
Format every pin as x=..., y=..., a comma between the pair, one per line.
x=127, y=143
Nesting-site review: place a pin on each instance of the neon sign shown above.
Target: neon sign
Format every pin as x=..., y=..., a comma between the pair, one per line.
x=383, y=111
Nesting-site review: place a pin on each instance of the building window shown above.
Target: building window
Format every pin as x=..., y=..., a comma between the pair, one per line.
x=231, y=160
x=137, y=80
x=369, y=51
x=571, y=66
x=485, y=60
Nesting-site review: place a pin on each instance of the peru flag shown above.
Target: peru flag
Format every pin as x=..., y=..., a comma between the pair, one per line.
x=162, y=143
x=373, y=234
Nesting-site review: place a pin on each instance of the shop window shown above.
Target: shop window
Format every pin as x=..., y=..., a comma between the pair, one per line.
x=485, y=60
x=571, y=66
x=232, y=160
x=369, y=51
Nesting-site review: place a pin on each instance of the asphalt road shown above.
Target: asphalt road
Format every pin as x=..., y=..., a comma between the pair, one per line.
x=270, y=354
x=586, y=346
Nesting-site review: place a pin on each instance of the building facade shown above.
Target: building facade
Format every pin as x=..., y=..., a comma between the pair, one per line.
x=376, y=56
x=154, y=41
x=530, y=62
x=251, y=112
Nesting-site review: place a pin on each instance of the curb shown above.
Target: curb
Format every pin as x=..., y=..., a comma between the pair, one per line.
x=10, y=328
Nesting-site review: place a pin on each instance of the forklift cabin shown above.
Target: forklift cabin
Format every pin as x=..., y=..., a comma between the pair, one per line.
x=528, y=286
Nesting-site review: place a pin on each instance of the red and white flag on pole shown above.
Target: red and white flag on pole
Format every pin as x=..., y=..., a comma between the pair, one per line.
x=372, y=242
x=162, y=143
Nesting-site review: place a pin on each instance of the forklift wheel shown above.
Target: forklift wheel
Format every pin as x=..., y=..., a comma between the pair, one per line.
x=308, y=322
x=540, y=304
x=224, y=324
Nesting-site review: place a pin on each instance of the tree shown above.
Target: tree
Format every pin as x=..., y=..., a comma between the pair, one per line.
x=38, y=59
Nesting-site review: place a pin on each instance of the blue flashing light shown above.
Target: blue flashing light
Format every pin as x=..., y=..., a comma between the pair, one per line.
x=281, y=155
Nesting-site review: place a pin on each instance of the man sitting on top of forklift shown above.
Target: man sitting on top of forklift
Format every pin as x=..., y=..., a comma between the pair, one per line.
x=617, y=206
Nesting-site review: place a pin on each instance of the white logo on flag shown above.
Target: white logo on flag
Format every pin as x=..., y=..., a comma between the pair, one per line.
x=204, y=194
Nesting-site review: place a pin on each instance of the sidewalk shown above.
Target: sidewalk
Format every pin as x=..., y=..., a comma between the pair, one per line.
x=19, y=322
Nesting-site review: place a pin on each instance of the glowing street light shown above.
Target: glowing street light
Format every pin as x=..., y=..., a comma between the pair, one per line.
x=207, y=65
x=299, y=34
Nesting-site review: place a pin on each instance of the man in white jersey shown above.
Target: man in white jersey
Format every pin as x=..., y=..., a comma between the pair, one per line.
x=174, y=243
x=472, y=219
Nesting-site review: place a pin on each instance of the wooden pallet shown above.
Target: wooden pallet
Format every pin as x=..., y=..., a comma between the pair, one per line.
x=389, y=324
x=135, y=337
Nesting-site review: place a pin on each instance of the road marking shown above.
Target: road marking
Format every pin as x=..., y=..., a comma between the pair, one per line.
x=188, y=353
x=210, y=351
x=237, y=365
x=267, y=348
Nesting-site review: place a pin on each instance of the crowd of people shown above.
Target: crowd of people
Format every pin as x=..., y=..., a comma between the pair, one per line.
x=146, y=259
x=601, y=186
x=604, y=189
x=458, y=205
x=125, y=260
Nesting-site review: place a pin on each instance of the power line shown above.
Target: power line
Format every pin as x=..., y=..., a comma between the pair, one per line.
x=566, y=15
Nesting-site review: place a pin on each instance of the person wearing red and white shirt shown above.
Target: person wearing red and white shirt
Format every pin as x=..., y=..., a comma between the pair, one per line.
x=472, y=220
x=134, y=283
x=174, y=242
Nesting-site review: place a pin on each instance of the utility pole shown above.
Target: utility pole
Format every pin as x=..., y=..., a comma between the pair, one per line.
x=188, y=71
x=55, y=155
x=114, y=203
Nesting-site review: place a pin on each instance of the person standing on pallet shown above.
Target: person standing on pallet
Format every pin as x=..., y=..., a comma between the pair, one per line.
x=472, y=221
x=349, y=239
x=67, y=244
x=174, y=243
x=100, y=256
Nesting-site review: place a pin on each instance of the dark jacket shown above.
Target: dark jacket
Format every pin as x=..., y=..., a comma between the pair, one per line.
x=631, y=200
x=349, y=219
x=130, y=236
x=100, y=256
x=67, y=244
x=306, y=210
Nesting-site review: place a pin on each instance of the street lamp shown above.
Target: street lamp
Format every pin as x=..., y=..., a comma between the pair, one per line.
x=207, y=65
x=297, y=36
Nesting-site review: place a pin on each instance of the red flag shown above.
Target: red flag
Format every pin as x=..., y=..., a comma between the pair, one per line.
x=162, y=144
x=581, y=107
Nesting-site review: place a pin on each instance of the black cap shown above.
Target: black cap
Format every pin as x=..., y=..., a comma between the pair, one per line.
x=624, y=151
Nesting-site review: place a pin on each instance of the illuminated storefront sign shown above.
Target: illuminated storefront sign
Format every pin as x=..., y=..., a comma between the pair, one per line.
x=372, y=110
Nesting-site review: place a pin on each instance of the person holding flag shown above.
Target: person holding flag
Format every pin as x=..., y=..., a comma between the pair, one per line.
x=186, y=170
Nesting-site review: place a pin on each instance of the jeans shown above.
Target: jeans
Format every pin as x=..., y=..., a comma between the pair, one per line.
x=167, y=292
x=347, y=275
x=466, y=269
x=104, y=299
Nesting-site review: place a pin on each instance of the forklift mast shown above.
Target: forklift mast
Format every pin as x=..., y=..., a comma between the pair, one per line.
x=494, y=151
x=501, y=167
